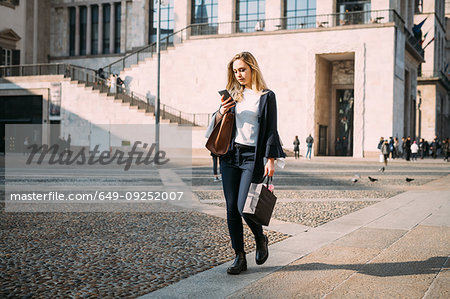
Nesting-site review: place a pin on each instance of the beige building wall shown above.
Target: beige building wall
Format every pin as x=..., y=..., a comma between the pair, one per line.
x=288, y=62
x=428, y=111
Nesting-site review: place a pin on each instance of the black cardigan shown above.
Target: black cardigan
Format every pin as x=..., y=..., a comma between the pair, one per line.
x=268, y=144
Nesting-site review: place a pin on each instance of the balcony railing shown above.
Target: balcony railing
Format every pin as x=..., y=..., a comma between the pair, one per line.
x=92, y=79
x=415, y=44
x=299, y=22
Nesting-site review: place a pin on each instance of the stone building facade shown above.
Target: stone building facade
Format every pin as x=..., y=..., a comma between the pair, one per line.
x=340, y=68
x=433, y=104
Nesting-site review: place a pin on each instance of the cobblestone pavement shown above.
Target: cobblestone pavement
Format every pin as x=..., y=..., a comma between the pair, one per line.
x=108, y=255
x=126, y=255
x=314, y=214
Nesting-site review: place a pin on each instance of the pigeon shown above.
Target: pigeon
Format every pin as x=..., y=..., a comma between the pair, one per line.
x=409, y=180
x=372, y=179
x=354, y=180
x=381, y=169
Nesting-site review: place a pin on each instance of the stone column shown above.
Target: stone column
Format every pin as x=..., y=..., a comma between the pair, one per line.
x=65, y=31
x=88, y=30
x=326, y=7
x=100, y=28
x=228, y=12
x=274, y=10
x=35, y=30
x=123, y=27
x=77, y=31
x=182, y=10
x=112, y=27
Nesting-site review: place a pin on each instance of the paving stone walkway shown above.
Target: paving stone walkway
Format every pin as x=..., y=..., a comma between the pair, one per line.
x=327, y=230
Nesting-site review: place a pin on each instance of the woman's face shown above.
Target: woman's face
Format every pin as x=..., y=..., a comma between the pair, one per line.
x=242, y=73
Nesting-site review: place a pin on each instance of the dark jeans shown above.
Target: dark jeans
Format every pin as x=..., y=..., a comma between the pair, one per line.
x=237, y=170
x=214, y=157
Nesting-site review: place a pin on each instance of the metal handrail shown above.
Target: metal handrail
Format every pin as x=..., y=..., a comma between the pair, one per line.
x=91, y=78
x=145, y=52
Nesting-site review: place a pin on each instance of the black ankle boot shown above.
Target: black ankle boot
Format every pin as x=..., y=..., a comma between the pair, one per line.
x=262, y=250
x=239, y=264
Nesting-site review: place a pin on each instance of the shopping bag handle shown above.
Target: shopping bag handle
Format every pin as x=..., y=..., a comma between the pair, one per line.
x=269, y=180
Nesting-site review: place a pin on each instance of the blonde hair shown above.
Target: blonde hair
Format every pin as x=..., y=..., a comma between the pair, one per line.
x=258, y=84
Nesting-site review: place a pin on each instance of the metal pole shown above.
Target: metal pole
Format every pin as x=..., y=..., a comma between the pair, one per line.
x=158, y=51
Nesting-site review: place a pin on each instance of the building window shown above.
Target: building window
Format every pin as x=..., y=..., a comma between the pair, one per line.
x=72, y=16
x=9, y=57
x=167, y=21
x=9, y=3
x=106, y=25
x=94, y=30
x=353, y=12
x=300, y=13
x=6, y=57
x=83, y=27
x=250, y=15
x=118, y=16
x=205, y=15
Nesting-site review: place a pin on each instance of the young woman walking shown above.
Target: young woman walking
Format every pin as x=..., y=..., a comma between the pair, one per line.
x=254, y=146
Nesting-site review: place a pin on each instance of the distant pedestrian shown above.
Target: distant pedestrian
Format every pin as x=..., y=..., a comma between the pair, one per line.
x=120, y=84
x=438, y=146
x=338, y=147
x=385, y=152
x=309, y=144
x=426, y=148
x=101, y=73
x=396, y=148
x=403, y=148
x=296, y=147
x=344, y=146
x=26, y=144
x=421, y=148
x=446, y=148
x=69, y=140
x=391, y=148
x=434, y=147
x=408, y=148
x=113, y=84
x=414, y=151
x=380, y=143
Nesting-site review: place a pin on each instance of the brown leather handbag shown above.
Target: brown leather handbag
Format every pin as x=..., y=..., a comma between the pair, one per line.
x=219, y=140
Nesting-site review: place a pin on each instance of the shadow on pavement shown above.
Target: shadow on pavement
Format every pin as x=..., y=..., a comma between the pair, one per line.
x=429, y=266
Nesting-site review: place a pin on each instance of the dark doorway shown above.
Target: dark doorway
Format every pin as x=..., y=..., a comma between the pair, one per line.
x=19, y=110
x=323, y=140
x=344, y=124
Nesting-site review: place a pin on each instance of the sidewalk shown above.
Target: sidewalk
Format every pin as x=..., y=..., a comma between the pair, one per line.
x=399, y=247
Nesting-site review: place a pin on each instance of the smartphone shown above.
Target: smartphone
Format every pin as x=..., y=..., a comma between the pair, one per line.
x=226, y=94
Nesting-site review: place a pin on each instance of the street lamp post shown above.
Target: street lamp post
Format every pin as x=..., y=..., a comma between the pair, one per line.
x=158, y=54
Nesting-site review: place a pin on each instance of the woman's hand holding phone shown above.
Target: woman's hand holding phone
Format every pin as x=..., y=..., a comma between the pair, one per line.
x=227, y=104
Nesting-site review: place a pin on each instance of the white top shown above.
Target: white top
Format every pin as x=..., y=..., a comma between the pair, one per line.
x=414, y=148
x=247, y=118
